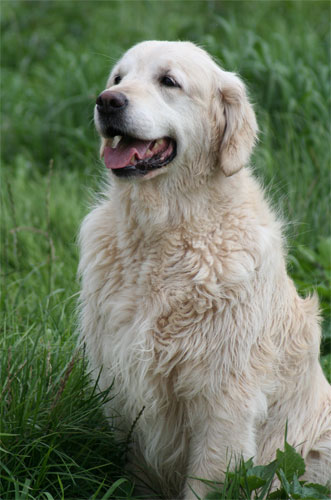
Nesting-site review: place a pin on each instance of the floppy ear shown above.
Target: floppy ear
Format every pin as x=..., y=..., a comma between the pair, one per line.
x=240, y=129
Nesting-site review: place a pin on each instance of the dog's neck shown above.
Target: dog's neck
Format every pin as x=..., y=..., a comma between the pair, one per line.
x=159, y=207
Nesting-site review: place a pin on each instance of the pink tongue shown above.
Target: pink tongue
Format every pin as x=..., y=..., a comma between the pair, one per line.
x=120, y=157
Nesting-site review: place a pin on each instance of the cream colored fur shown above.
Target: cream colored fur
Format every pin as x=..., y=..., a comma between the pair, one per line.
x=186, y=304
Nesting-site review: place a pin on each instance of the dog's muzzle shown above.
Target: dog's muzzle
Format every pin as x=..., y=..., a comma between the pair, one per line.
x=125, y=155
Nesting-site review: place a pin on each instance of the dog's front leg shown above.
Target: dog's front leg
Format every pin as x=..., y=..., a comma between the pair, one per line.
x=220, y=438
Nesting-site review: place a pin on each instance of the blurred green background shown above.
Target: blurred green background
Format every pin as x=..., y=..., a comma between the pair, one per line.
x=56, y=56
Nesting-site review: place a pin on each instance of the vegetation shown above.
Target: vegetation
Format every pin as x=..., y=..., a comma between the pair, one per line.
x=54, y=440
x=249, y=481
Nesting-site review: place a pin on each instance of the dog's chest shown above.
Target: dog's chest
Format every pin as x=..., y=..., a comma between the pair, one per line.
x=161, y=307
x=156, y=303
x=170, y=284
x=161, y=279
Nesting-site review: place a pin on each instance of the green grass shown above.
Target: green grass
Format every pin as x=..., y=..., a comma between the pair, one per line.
x=54, y=440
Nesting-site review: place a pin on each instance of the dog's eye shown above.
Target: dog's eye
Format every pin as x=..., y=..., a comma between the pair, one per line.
x=168, y=81
x=117, y=79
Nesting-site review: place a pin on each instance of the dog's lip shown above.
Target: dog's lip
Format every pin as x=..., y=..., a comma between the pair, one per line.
x=127, y=156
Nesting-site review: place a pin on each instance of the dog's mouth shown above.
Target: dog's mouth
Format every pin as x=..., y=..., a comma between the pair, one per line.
x=128, y=156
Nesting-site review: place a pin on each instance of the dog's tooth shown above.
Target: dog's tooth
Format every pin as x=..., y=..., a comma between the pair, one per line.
x=116, y=141
x=157, y=144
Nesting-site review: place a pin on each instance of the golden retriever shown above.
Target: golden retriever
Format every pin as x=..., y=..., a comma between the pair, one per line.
x=186, y=304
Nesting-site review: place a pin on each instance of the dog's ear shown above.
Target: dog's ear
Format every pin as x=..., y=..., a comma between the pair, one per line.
x=240, y=128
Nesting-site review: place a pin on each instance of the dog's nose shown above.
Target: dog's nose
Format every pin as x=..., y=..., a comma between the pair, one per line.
x=109, y=101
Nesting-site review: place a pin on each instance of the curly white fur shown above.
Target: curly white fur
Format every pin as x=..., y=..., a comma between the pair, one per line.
x=186, y=304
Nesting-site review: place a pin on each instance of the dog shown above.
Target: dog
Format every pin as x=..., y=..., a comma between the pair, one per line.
x=186, y=305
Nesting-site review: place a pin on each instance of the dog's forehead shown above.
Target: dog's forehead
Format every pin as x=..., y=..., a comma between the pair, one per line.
x=150, y=56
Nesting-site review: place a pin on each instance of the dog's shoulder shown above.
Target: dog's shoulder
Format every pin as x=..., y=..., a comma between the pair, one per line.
x=97, y=239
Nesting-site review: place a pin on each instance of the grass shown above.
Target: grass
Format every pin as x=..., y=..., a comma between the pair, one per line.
x=54, y=440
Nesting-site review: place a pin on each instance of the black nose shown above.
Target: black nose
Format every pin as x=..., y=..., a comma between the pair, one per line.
x=109, y=101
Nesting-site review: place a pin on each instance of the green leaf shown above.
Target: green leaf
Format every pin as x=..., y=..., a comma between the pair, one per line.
x=249, y=464
x=278, y=494
x=266, y=472
x=309, y=491
x=263, y=471
x=257, y=476
x=284, y=482
x=252, y=482
x=290, y=462
x=318, y=487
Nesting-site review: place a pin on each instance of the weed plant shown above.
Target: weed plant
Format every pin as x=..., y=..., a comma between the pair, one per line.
x=54, y=440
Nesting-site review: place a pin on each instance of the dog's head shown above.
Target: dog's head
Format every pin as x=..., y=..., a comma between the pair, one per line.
x=168, y=106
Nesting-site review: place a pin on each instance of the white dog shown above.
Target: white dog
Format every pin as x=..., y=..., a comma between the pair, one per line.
x=186, y=303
